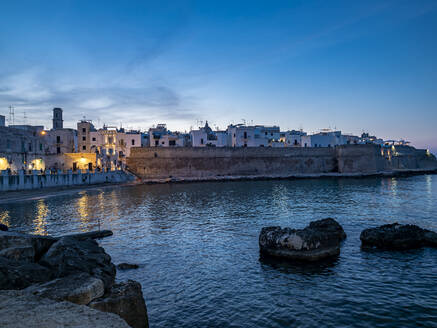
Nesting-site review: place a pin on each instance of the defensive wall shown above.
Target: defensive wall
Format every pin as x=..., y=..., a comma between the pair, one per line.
x=209, y=163
x=37, y=180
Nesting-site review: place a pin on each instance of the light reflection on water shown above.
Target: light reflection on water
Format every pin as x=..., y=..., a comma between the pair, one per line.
x=197, y=246
x=40, y=222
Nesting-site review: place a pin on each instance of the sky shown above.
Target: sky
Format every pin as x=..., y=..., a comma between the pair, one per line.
x=349, y=65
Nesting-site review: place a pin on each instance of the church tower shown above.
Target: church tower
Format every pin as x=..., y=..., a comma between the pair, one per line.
x=58, y=122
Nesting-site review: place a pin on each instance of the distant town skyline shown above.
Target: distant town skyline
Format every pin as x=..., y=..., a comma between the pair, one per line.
x=357, y=66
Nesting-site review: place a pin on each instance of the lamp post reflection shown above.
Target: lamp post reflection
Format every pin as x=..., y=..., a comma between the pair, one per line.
x=40, y=222
x=83, y=210
x=4, y=218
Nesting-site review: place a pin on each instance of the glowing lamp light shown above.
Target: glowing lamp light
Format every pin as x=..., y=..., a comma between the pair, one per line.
x=3, y=163
x=43, y=133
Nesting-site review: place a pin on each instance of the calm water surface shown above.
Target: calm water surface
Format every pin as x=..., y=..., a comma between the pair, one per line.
x=197, y=246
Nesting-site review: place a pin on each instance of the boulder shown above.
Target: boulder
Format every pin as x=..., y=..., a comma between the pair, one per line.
x=3, y=227
x=78, y=288
x=126, y=300
x=397, y=237
x=19, y=274
x=19, y=309
x=127, y=266
x=320, y=240
x=70, y=255
x=40, y=244
x=20, y=253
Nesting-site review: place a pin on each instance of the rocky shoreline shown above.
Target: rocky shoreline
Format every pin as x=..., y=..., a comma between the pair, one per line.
x=224, y=178
x=70, y=279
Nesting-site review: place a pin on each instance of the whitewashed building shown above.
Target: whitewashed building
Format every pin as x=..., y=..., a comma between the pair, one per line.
x=292, y=138
x=173, y=140
x=206, y=137
x=113, y=145
x=325, y=138
x=241, y=135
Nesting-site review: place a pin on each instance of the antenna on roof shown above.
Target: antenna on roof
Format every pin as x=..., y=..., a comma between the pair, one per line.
x=11, y=115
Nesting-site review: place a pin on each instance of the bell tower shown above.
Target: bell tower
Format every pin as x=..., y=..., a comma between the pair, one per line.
x=58, y=122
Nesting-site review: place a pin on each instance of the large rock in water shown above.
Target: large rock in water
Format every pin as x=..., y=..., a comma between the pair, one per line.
x=19, y=274
x=398, y=237
x=22, y=246
x=78, y=288
x=69, y=255
x=19, y=309
x=320, y=240
x=126, y=300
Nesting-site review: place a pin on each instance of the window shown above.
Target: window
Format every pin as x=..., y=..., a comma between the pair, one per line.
x=156, y=142
x=58, y=150
x=94, y=138
x=58, y=139
x=305, y=144
x=83, y=138
x=201, y=141
x=295, y=142
x=83, y=147
x=171, y=142
x=8, y=144
x=83, y=130
x=30, y=146
x=40, y=146
x=133, y=142
x=245, y=135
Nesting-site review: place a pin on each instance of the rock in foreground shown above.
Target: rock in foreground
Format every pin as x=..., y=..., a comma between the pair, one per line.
x=19, y=274
x=126, y=300
x=69, y=255
x=319, y=240
x=398, y=237
x=19, y=309
x=78, y=288
x=24, y=243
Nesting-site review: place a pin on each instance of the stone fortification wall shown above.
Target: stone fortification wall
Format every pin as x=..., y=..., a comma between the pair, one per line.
x=366, y=159
x=191, y=163
x=204, y=163
x=412, y=158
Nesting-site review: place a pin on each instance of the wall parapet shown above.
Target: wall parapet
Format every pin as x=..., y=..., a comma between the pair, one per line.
x=36, y=180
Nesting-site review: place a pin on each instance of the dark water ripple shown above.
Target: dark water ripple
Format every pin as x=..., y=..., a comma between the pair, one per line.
x=197, y=246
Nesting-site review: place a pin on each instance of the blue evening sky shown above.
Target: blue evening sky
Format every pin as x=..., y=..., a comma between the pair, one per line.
x=351, y=65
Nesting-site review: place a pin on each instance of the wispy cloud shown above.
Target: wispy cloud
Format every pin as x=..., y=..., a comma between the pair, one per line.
x=33, y=91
